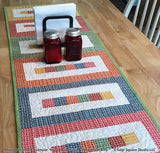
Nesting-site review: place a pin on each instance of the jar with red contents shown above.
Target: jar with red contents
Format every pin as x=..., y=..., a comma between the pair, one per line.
x=52, y=46
x=73, y=42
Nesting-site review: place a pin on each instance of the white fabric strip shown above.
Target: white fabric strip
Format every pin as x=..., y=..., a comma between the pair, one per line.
x=17, y=12
x=38, y=111
x=31, y=75
x=111, y=131
x=20, y=27
x=25, y=49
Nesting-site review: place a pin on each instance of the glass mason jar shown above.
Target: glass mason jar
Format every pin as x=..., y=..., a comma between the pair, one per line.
x=52, y=46
x=73, y=42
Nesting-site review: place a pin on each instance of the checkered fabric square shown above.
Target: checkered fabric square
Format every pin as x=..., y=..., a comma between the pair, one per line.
x=102, y=144
x=116, y=142
x=130, y=138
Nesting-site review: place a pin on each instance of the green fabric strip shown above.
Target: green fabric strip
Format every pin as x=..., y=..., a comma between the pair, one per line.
x=16, y=102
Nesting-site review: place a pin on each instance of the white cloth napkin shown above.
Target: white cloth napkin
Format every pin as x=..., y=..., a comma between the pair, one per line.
x=40, y=12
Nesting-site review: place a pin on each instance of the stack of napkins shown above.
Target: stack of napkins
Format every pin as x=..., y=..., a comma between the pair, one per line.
x=61, y=25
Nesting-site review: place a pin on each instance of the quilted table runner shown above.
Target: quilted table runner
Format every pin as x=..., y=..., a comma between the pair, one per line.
x=79, y=106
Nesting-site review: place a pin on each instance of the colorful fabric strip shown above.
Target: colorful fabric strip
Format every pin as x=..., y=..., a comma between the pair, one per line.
x=26, y=12
x=99, y=144
x=64, y=67
x=68, y=100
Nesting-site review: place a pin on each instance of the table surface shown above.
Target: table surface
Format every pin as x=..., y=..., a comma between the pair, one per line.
x=137, y=57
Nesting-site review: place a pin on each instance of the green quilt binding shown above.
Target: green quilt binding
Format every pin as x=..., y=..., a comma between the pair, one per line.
x=16, y=101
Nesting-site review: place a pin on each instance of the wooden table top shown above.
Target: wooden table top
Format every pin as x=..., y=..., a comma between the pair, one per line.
x=137, y=57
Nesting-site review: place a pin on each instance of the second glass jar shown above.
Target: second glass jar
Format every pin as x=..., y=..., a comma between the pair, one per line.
x=73, y=42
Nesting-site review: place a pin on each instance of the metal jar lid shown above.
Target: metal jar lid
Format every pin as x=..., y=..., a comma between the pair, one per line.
x=73, y=32
x=51, y=34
